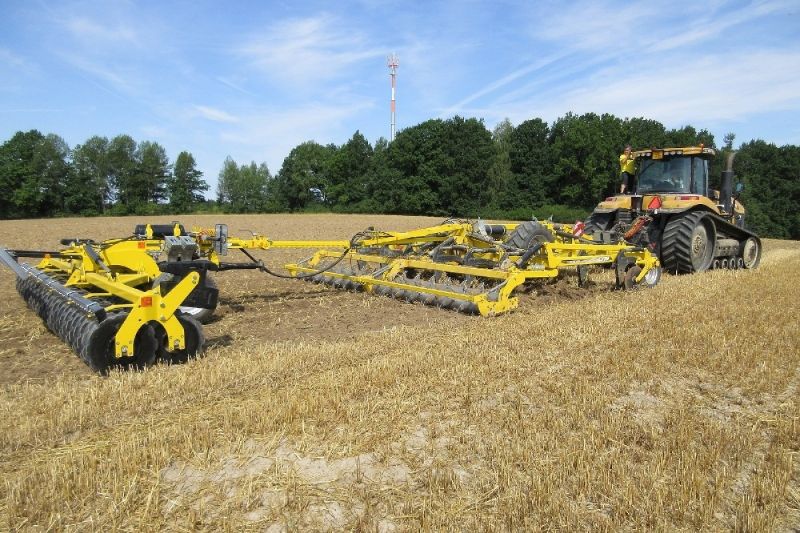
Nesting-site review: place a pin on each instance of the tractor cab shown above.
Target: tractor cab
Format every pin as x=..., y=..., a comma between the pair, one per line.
x=672, y=170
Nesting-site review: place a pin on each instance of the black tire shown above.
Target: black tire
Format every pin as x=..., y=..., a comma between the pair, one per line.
x=527, y=234
x=751, y=253
x=687, y=245
x=650, y=279
x=101, y=347
x=598, y=222
x=201, y=314
x=194, y=339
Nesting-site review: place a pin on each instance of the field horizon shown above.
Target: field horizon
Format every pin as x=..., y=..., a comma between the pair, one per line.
x=673, y=408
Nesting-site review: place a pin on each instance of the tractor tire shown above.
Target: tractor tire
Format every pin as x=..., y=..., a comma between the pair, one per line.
x=527, y=234
x=688, y=242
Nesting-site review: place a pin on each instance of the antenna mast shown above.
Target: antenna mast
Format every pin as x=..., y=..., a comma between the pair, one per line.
x=393, y=63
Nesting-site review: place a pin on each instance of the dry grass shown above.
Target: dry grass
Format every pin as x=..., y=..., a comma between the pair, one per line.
x=668, y=409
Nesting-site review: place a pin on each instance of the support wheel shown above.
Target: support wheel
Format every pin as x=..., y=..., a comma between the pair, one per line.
x=193, y=340
x=687, y=245
x=101, y=355
x=527, y=234
x=649, y=280
x=751, y=253
x=201, y=314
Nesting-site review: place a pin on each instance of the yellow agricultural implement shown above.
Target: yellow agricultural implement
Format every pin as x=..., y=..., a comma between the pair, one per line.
x=135, y=300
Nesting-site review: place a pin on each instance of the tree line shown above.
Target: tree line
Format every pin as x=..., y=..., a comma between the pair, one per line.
x=442, y=167
x=41, y=177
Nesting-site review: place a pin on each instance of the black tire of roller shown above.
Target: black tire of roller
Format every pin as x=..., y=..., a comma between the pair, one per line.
x=677, y=254
x=527, y=234
x=100, y=347
x=91, y=340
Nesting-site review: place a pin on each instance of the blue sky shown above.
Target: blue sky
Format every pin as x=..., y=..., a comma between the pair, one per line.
x=254, y=79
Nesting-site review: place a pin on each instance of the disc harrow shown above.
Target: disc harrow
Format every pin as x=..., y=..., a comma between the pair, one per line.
x=131, y=302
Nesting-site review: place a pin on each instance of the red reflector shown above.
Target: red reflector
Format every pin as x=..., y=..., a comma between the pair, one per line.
x=578, y=229
x=692, y=197
x=146, y=301
x=141, y=244
x=611, y=199
x=655, y=203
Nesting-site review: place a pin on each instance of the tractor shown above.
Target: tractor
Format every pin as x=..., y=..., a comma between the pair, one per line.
x=690, y=227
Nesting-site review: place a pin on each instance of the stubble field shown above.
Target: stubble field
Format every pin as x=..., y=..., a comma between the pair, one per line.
x=669, y=409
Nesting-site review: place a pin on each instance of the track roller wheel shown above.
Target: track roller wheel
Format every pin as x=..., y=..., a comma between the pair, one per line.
x=100, y=350
x=527, y=234
x=751, y=253
x=687, y=245
x=193, y=340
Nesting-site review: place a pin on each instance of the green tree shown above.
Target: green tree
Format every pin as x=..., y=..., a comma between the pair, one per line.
x=501, y=177
x=442, y=168
x=585, y=151
x=303, y=178
x=185, y=187
x=33, y=174
x=531, y=166
x=243, y=189
x=89, y=188
x=771, y=176
x=121, y=161
x=348, y=174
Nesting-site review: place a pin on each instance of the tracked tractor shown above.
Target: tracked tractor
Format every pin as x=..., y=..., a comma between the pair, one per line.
x=690, y=227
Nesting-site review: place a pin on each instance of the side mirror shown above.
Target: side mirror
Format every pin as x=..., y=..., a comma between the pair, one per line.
x=738, y=188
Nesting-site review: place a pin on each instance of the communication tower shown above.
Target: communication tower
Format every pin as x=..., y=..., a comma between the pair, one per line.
x=393, y=63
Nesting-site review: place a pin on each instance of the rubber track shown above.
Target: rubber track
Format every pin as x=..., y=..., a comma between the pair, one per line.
x=676, y=242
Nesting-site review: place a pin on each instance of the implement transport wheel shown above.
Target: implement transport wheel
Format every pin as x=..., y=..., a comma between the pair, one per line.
x=201, y=314
x=751, y=253
x=687, y=245
x=650, y=279
x=193, y=341
x=598, y=222
x=527, y=234
x=101, y=347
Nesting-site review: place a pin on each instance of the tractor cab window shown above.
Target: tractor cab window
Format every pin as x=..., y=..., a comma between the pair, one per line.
x=665, y=175
x=700, y=172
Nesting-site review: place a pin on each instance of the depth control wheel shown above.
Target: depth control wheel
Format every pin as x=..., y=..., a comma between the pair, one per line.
x=193, y=341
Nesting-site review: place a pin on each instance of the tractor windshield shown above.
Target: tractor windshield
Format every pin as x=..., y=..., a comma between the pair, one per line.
x=673, y=174
x=665, y=175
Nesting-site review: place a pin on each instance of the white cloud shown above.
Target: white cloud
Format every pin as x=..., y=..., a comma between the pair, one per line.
x=307, y=51
x=706, y=90
x=101, y=33
x=213, y=114
x=269, y=135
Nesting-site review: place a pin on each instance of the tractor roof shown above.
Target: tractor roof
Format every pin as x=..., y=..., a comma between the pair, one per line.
x=659, y=153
